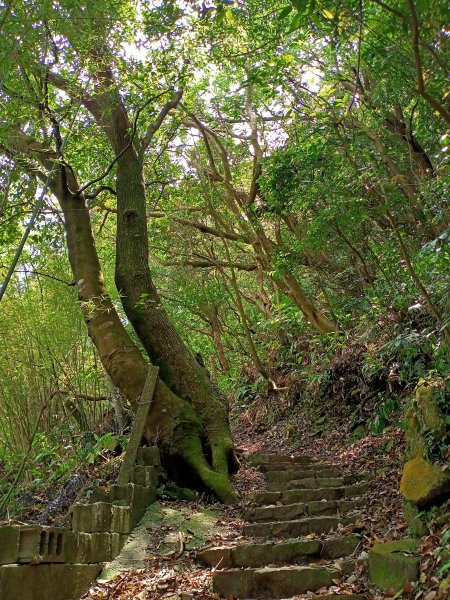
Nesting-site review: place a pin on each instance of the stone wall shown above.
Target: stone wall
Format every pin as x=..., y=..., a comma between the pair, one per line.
x=45, y=562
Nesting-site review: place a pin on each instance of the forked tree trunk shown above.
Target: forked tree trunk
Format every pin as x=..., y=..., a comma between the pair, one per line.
x=172, y=420
x=142, y=305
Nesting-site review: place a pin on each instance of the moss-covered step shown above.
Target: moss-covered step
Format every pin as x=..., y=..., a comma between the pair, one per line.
x=290, y=551
x=287, y=512
x=422, y=483
x=317, y=470
x=393, y=564
x=294, y=496
x=274, y=583
x=299, y=527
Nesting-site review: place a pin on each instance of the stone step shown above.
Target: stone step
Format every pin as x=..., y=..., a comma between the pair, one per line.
x=290, y=466
x=290, y=474
x=287, y=512
x=275, y=583
x=309, y=495
x=272, y=553
x=296, y=528
x=276, y=459
x=310, y=483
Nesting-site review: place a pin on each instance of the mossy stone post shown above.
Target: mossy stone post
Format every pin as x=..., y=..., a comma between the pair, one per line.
x=393, y=564
x=137, y=432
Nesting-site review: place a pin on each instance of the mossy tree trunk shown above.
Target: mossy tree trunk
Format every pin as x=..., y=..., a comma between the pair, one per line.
x=173, y=422
x=142, y=305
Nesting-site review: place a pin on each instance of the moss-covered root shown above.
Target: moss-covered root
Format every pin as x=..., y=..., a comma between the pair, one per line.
x=189, y=447
x=224, y=459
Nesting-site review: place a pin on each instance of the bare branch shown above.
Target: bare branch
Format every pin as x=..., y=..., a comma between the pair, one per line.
x=153, y=127
x=204, y=264
x=445, y=114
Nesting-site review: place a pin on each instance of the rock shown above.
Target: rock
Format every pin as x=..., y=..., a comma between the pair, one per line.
x=415, y=442
x=431, y=414
x=423, y=414
x=423, y=483
x=413, y=517
x=393, y=564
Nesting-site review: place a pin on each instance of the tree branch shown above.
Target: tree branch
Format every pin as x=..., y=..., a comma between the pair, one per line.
x=153, y=127
x=445, y=114
x=204, y=264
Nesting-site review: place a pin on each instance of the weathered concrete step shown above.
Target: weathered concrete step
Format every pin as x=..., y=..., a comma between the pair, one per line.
x=271, y=553
x=274, y=583
x=297, y=528
x=309, y=495
x=276, y=459
x=287, y=512
x=290, y=466
x=311, y=483
x=290, y=474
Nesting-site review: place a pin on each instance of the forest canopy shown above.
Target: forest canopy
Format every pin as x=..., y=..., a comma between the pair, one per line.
x=226, y=190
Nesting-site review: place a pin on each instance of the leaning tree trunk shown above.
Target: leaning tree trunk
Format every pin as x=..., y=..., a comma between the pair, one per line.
x=142, y=305
x=172, y=420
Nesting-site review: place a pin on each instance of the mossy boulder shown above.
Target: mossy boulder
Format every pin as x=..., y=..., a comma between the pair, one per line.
x=415, y=442
x=423, y=415
x=432, y=416
x=423, y=483
x=393, y=564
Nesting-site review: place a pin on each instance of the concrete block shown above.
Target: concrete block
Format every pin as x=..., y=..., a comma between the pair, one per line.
x=118, y=541
x=9, y=544
x=137, y=496
x=92, y=518
x=125, y=518
x=99, y=495
x=145, y=475
x=149, y=456
x=70, y=547
x=46, y=582
x=93, y=547
x=41, y=544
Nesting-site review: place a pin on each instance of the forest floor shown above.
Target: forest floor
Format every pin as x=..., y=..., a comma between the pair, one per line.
x=175, y=574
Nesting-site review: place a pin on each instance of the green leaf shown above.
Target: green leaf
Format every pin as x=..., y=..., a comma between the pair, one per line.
x=295, y=23
x=285, y=12
x=300, y=5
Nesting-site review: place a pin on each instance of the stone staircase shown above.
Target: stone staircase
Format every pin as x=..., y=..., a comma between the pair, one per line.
x=305, y=506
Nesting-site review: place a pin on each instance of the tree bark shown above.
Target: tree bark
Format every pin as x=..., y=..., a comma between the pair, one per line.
x=173, y=422
x=141, y=302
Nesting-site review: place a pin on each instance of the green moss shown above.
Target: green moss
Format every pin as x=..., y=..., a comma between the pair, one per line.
x=407, y=546
x=422, y=482
x=430, y=413
x=393, y=564
x=416, y=523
